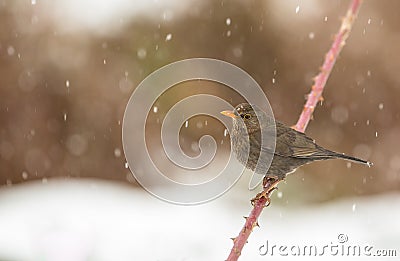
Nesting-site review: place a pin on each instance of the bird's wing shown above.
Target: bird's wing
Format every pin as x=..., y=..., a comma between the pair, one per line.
x=291, y=143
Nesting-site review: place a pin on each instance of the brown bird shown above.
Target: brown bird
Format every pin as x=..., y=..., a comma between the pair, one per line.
x=293, y=148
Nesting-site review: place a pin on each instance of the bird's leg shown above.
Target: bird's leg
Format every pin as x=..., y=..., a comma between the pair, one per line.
x=270, y=182
x=269, y=185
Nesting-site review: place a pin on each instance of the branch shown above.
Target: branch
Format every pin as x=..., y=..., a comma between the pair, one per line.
x=319, y=83
x=313, y=98
x=251, y=221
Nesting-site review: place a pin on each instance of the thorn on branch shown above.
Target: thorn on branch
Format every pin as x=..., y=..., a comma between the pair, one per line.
x=331, y=57
x=255, y=224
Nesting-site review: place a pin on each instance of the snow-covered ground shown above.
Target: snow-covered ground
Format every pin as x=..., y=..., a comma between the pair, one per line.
x=94, y=220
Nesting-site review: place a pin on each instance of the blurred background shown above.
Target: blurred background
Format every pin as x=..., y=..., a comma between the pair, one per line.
x=68, y=69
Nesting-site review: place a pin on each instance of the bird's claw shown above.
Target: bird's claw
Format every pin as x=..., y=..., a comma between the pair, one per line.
x=263, y=194
x=267, y=190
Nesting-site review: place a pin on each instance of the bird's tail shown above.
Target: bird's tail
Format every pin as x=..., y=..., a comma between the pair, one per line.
x=337, y=155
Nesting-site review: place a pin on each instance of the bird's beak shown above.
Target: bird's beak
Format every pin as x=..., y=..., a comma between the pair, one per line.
x=229, y=114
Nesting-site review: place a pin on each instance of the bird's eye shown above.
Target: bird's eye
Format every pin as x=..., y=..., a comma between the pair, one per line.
x=247, y=116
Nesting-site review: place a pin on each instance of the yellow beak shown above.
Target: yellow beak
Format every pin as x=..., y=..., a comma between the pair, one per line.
x=229, y=114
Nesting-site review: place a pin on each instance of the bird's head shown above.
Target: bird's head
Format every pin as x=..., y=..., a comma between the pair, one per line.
x=246, y=114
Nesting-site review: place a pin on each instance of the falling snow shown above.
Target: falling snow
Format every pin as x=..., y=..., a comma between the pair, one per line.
x=168, y=37
x=167, y=15
x=228, y=21
x=24, y=175
x=194, y=146
x=77, y=144
x=10, y=50
x=117, y=152
x=142, y=53
x=297, y=9
x=380, y=106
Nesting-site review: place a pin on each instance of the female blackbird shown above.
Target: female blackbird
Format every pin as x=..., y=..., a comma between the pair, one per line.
x=293, y=148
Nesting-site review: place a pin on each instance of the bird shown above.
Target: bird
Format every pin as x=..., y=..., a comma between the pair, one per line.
x=251, y=141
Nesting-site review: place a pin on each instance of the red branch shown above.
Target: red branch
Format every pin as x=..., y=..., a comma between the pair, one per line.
x=313, y=98
x=319, y=83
